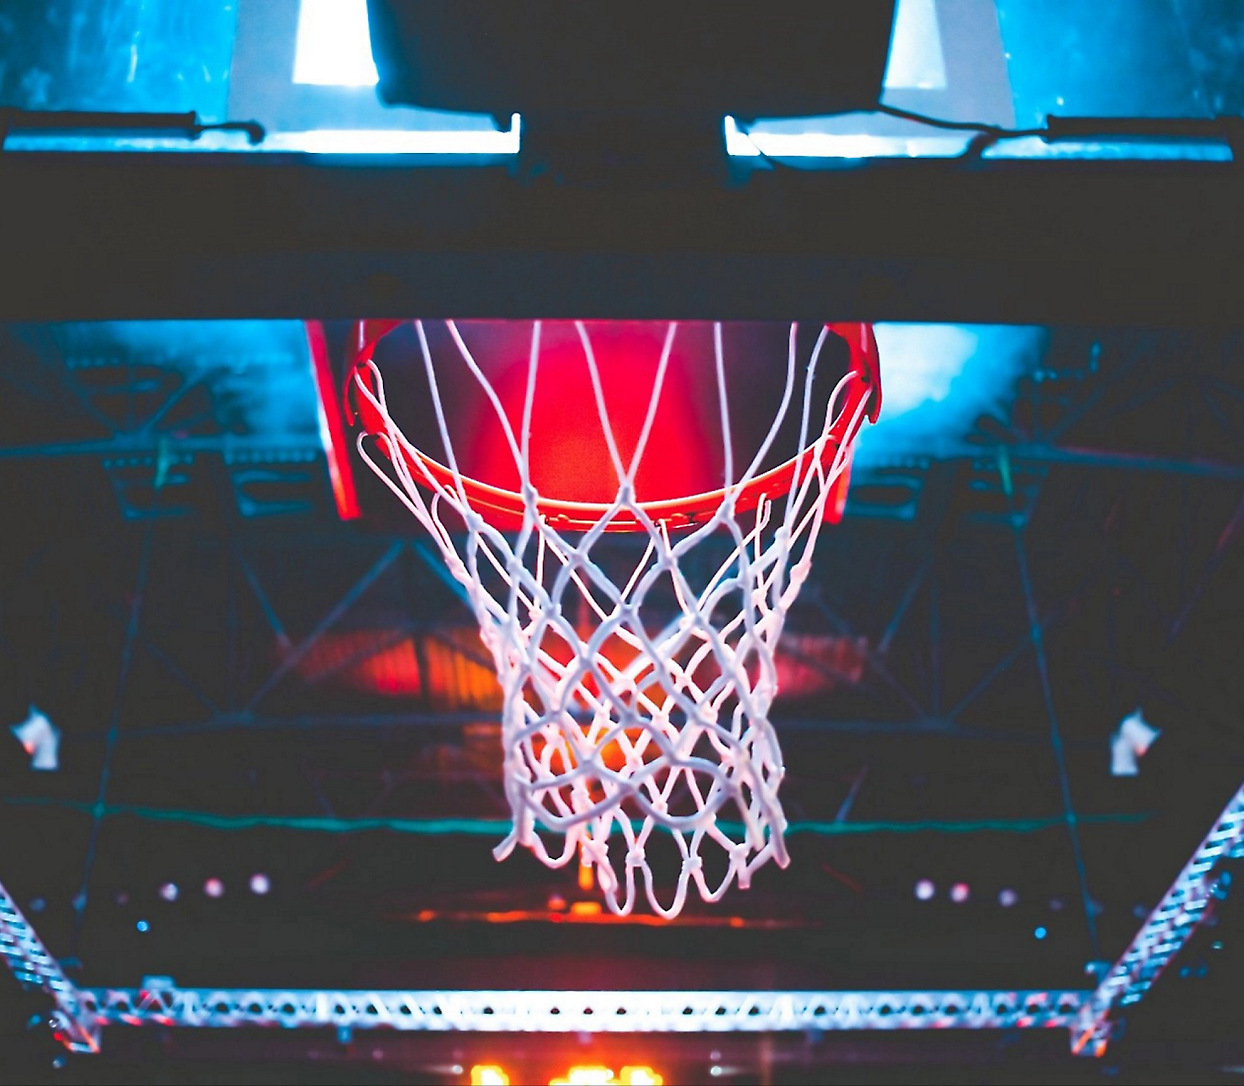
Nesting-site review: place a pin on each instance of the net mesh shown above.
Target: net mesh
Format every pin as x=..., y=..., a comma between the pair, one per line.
x=628, y=716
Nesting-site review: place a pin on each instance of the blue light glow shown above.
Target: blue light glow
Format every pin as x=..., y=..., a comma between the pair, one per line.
x=1040, y=933
x=937, y=380
x=142, y=925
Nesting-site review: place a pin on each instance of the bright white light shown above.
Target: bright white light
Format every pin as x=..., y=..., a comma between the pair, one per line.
x=260, y=883
x=334, y=46
x=758, y=141
x=916, y=59
x=169, y=891
x=960, y=892
x=214, y=888
x=925, y=890
x=393, y=141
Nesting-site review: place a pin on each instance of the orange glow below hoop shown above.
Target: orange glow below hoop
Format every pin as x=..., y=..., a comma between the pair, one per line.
x=599, y=1075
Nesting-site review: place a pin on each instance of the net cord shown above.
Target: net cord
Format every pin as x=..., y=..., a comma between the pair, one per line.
x=562, y=716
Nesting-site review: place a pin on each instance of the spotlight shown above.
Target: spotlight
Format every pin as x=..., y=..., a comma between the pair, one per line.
x=40, y=738
x=1128, y=744
x=260, y=883
x=960, y=892
x=1007, y=898
x=489, y=1074
x=169, y=891
x=142, y=925
x=214, y=887
x=1039, y=933
x=925, y=890
x=586, y=1075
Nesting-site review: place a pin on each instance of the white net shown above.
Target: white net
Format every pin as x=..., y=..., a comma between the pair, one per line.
x=623, y=722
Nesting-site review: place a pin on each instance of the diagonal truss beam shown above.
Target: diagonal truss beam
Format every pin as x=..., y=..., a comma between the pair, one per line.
x=36, y=970
x=1165, y=932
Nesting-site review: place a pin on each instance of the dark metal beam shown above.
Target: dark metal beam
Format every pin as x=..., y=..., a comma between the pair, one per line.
x=343, y=605
x=128, y=643
x=100, y=236
x=925, y=726
x=1120, y=460
x=1019, y=524
x=255, y=447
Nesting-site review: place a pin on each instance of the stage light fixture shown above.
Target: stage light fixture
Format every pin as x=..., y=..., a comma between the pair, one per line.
x=40, y=738
x=1128, y=744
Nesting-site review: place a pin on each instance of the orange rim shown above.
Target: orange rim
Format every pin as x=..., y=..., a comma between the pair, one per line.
x=505, y=509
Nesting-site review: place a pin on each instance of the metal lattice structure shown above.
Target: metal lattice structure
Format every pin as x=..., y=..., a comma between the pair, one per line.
x=593, y=1012
x=36, y=969
x=79, y=1014
x=1167, y=929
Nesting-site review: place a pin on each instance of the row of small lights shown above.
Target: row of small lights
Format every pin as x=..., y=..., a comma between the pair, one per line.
x=259, y=883
x=213, y=887
x=961, y=892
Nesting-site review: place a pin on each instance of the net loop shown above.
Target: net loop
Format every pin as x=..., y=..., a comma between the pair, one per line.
x=623, y=722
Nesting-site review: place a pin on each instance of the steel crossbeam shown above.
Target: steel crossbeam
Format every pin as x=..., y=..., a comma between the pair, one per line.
x=1166, y=931
x=594, y=1012
x=36, y=969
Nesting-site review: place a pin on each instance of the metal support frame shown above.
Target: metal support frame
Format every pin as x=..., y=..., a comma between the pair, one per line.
x=590, y=1012
x=1088, y=1015
x=1166, y=931
x=73, y=1022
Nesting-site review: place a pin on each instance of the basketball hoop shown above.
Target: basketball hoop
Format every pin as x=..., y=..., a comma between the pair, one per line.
x=615, y=726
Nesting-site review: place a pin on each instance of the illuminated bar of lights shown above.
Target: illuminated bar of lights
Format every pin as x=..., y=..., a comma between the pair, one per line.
x=585, y=1012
